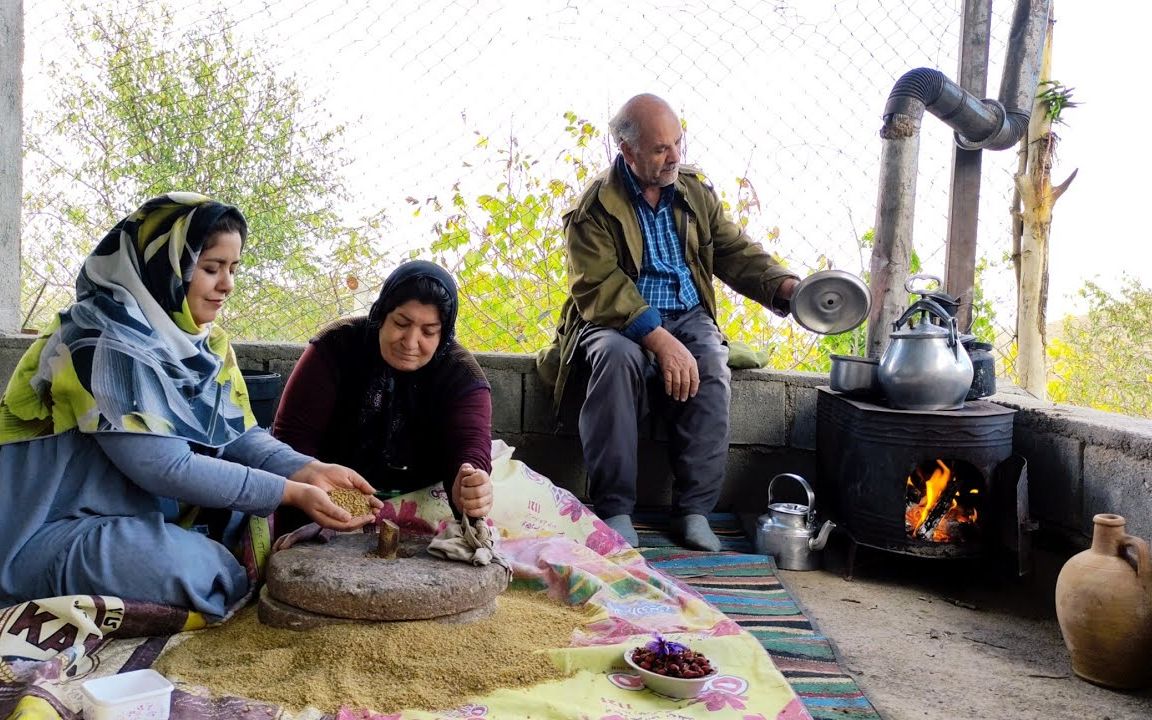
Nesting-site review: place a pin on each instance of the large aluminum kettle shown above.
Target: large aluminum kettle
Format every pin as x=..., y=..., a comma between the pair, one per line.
x=924, y=366
x=788, y=531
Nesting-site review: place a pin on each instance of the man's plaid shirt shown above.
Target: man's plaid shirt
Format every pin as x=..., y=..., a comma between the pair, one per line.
x=664, y=281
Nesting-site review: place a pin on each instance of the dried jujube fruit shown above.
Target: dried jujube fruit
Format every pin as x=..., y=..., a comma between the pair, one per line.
x=672, y=659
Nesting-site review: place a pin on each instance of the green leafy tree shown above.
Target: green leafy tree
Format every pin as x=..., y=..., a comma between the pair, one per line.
x=983, y=311
x=786, y=345
x=1104, y=359
x=506, y=247
x=507, y=250
x=131, y=116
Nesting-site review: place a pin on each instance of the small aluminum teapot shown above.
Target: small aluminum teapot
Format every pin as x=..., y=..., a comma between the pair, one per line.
x=788, y=531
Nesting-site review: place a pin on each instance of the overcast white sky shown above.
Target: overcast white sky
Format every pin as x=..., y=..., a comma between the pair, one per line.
x=1100, y=227
x=787, y=94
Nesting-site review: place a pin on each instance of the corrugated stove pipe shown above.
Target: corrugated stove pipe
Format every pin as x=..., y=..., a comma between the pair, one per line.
x=979, y=124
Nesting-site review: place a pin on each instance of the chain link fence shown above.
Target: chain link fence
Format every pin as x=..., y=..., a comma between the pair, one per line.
x=358, y=134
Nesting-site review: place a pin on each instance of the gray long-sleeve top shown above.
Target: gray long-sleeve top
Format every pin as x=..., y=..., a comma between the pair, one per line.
x=55, y=488
x=248, y=475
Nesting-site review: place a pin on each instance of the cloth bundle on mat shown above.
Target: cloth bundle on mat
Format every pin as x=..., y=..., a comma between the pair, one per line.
x=471, y=541
x=552, y=542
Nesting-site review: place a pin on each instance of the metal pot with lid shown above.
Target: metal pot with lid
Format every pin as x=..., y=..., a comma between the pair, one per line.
x=924, y=366
x=983, y=368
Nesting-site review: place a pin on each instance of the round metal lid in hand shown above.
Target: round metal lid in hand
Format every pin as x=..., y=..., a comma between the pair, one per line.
x=830, y=302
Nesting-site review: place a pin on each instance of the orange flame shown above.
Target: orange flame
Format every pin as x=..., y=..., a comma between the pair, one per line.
x=929, y=491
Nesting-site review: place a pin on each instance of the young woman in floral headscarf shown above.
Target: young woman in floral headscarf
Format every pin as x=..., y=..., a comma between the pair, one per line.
x=130, y=461
x=395, y=397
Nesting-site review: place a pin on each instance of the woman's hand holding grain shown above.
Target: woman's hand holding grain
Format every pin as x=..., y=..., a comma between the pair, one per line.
x=329, y=477
x=319, y=506
x=316, y=480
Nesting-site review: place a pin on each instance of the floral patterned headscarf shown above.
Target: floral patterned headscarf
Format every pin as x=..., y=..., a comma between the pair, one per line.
x=128, y=356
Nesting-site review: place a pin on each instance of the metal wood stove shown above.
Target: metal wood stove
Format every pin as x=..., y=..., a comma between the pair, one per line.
x=940, y=483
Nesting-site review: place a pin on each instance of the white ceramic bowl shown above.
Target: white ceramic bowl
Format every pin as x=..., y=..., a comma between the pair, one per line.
x=139, y=695
x=671, y=686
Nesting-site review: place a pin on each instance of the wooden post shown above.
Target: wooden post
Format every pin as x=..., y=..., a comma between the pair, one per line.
x=11, y=159
x=964, y=195
x=389, y=540
x=1037, y=197
x=895, y=207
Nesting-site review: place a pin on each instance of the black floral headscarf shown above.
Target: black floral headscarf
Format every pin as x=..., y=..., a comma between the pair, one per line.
x=394, y=401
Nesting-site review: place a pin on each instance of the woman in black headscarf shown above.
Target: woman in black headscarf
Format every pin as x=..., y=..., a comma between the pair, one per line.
x=395, y=397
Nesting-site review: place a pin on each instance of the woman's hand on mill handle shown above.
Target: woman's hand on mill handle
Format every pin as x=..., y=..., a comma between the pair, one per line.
x=472, y=491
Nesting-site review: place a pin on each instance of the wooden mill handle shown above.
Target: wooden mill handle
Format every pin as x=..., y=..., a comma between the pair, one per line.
x=389, y=540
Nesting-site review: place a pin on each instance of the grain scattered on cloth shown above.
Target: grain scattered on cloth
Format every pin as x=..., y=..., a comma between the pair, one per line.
x=384, y=667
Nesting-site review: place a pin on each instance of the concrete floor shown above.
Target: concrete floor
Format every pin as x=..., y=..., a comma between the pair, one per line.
x=953, y=639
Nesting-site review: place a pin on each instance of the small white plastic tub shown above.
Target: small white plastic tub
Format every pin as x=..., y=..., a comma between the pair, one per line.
x=136, y=695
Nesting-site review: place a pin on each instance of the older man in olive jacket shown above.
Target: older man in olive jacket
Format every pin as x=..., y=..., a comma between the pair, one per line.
x=644, y=241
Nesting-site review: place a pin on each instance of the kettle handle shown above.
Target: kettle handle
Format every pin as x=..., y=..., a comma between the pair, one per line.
x=927, y=305
x=804, y=484
x=910, y=283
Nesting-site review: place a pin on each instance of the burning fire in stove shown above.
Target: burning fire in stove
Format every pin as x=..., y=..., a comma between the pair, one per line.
x=939, y=508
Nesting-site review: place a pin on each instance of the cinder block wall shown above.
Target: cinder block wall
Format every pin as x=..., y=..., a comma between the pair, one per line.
x=773, y=426
x=1080, y=462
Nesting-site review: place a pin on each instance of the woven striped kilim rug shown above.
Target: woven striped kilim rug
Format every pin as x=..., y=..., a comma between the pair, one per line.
x=744, y=587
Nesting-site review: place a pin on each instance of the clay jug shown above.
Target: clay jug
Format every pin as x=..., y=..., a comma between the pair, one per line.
x=1104, y=606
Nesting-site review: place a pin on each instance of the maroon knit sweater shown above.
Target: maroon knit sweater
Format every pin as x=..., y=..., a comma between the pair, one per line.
x=320, y=408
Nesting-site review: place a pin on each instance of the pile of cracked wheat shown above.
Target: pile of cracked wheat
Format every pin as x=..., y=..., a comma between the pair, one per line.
x=384, y=667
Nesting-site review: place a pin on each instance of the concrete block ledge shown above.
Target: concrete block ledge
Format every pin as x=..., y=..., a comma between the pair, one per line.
x=1081, y=461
